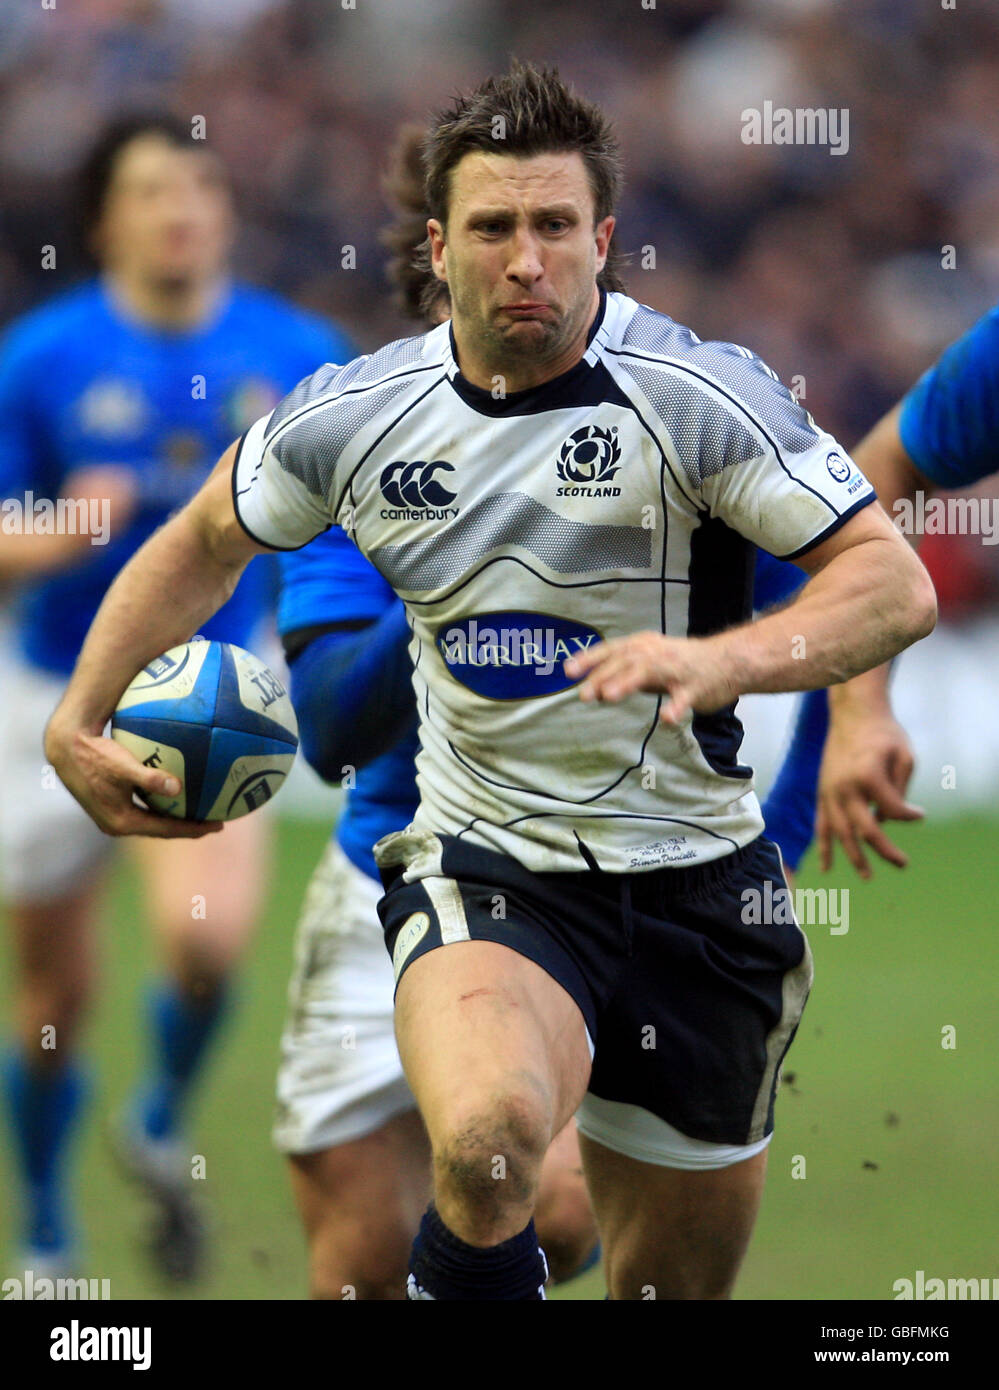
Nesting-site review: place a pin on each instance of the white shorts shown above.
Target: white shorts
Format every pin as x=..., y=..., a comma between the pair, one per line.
x=340, y=1077
x=47, y=840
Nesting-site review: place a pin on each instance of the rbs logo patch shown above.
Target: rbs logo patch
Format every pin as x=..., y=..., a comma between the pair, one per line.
x=513, y=656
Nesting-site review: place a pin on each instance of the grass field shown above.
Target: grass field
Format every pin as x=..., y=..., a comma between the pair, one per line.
x=895, y=1130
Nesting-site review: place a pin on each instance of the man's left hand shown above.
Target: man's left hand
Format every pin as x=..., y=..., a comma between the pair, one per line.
x=692, y=671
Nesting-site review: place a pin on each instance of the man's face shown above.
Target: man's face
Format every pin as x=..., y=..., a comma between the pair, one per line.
x=167, y=213
x=520, y=255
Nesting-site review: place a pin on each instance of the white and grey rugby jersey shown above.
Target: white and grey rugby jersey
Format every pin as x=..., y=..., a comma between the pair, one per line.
x=622, y=496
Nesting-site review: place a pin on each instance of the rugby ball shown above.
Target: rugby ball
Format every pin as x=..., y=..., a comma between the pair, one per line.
x=219, y=720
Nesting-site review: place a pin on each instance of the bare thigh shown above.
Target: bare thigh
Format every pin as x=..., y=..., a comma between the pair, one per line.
x=495, y=1052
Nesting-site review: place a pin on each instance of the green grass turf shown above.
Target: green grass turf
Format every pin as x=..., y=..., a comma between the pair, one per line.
x=896, y=1132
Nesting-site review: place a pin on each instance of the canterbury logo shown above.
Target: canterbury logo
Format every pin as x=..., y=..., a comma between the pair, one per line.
x=415, y=485
x=590, y=455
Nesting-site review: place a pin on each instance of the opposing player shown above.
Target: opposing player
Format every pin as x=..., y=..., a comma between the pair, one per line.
x=564, y=487
x=120, y=394
x=942, y=434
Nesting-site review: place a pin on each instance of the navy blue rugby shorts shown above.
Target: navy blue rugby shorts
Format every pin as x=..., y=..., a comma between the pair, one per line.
x=690, y=1004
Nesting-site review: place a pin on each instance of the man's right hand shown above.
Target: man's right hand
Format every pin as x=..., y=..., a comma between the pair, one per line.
x=103, y=776
x=866, y=767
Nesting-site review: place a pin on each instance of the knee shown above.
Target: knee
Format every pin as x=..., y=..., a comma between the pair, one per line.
x=491, y=1158
x=60, y=1001
x=567, y=1230
x=201, y=970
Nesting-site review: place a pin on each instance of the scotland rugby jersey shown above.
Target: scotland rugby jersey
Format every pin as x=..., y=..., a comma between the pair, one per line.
x=621, y=496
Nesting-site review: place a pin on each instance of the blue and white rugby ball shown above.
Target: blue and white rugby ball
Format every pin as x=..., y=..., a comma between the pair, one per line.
x=217, y=719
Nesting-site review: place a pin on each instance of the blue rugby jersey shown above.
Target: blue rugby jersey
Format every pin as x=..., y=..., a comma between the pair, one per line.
x=949, y=423
x=82, y=384
x=328, y=582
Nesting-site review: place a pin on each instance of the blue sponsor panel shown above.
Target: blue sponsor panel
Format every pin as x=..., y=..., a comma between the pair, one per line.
x=513, y=655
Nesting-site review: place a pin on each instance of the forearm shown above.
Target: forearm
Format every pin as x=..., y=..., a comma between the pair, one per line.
x=882, y=459
x=34, y=556
x=859, y=612
x=160, y=599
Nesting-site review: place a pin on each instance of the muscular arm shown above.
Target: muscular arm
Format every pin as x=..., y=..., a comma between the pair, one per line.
x=869, y=597
x=882, y=458
x=867, y=761
x=178, y=579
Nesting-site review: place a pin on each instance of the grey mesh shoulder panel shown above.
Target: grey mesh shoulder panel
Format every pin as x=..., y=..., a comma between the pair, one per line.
x=310, y=388
x=343, y=400
x=706, y=437
x=648, y=331
x=404, y=352
x=331, y=378
x=310, y=448
x=512, y=518
x=709, y=433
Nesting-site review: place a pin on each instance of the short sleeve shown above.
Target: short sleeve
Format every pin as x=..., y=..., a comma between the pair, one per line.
x=281, y=480
x=765, y=468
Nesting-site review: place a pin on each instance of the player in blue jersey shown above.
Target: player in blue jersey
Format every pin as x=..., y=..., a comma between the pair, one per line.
x=120, y=394
x=943, y=434
x=346, y=1118
x=565, y=912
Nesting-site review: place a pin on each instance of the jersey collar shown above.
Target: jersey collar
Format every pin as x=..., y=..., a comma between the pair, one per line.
x=549, y=393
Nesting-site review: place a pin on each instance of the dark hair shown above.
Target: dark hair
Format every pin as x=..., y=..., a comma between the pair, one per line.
x=526, y=111
x=417, y=291
x=96, y=171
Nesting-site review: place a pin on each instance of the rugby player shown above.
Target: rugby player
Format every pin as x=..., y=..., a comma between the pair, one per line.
x=560, y=472
x=346, y=1118
x=123, y=391
x=942, y=434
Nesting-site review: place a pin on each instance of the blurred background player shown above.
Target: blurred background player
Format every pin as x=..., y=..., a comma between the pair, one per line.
x=347, y=1119
x=124, y=390
x=942, y=435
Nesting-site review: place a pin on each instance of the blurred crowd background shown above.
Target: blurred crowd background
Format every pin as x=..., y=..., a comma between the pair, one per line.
x=833, y=268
